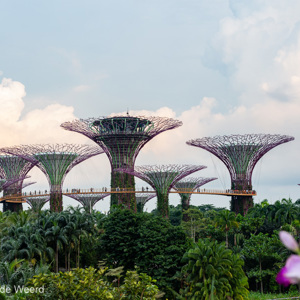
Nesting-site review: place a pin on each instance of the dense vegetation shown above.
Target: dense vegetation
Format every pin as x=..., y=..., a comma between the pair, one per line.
x=123, y=255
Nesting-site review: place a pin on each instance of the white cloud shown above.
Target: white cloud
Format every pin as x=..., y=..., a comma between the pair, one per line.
x=81, y=88
x=37, y=126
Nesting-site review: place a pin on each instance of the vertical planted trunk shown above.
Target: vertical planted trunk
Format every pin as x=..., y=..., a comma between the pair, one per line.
x=163, y=204
x=123, y=181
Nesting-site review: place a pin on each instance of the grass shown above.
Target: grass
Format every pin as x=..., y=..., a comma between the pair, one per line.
x=259, y=296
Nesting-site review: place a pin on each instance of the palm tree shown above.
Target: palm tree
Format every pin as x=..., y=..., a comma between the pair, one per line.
x=56, y=236
x=288, y=212
x=226, y=220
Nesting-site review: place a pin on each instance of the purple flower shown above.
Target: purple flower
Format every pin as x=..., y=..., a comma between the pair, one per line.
x=288, y=241
x=290, y=273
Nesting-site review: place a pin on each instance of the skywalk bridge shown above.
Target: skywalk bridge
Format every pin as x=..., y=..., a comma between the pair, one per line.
x=21, y=198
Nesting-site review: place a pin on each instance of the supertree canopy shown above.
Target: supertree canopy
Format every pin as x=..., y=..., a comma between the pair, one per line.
x=189, y=184
x=240, y=153
x=88, y=200
x=122, y=137
x=55, y=161
x=142, y=199
x=37, y=203
x=162, y=179
x=14, y=170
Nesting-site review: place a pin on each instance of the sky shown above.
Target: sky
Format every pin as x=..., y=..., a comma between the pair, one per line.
x=221, y=67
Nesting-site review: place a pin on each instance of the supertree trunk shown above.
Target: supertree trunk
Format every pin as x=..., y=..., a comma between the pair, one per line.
x=120, y=181
x=140, y=207
x=185, y=202
x=163, y=204
x=11, y=206
x=241, y=204
x=56, y=199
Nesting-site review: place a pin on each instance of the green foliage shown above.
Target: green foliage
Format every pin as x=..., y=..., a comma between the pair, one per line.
x=263, y=254
x=143, y=240
x=213, y=272
x=226, y=220
x=92, y=284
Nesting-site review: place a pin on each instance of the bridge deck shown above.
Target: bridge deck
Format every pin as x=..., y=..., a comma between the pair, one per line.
x=21, y=198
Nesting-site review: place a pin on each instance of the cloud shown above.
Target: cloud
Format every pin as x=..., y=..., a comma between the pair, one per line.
x=81, y=88
x=37, y=126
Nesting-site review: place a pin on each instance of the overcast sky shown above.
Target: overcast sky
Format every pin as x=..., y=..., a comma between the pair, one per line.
x=221, y=67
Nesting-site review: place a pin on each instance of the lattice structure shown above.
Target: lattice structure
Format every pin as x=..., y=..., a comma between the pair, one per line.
x=189, y=184
x=37, y=203
x=240, y=153
x=55, y=161
x=88, y=200
x=162, y=179
x=122, y=137
x=14, y=170
x=141, y=200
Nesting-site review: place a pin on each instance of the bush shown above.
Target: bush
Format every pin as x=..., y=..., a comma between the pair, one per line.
x=211, y=269
x=92, y=284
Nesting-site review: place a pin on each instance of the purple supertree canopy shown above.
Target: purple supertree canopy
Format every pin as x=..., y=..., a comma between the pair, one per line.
x=88, y=200
x=162, y=178
x=240, y=153
x=14, y=169
x=191, y=183
x=55, y=161
x=143, y=198
x=37, y=203
x=121, y=137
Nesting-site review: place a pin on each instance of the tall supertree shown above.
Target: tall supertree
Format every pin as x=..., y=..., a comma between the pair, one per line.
x=189, y=184
x=14, y=170
x=240, y=153
x=142, y=199
x=36, y=203
x=122, y=137
x=88, y=200
x=162, y=179
x=55, y=161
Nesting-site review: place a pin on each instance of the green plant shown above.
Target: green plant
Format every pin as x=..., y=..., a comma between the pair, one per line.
x=213, y=272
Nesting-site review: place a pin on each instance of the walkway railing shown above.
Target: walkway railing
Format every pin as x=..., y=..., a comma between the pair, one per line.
x=21, y=198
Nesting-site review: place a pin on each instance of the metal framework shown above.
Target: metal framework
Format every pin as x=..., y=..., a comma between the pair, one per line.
x=142, y=199
x=189, y=184
x=162, y=178
x=55, y=161
x=240, y=153
x=88, y=200
x=121, y=138
x=37, y=203
x=14, y=170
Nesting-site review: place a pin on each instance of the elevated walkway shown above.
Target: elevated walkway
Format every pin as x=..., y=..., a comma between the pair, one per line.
x=21, y=198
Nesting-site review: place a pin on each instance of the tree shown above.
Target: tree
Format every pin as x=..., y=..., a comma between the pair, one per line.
x=149, y=242
x=56, y=235
x=287, y=212
x=265, y=251
x=226, y=220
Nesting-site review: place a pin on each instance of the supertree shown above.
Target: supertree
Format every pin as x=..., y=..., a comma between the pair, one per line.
x=162, y=178
x=240, y=153
x=142, y=199
x=55, y=161
x=37, y=203
x=14, y=170
x=88, y=200
x=189, y=184
x=122, y=137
